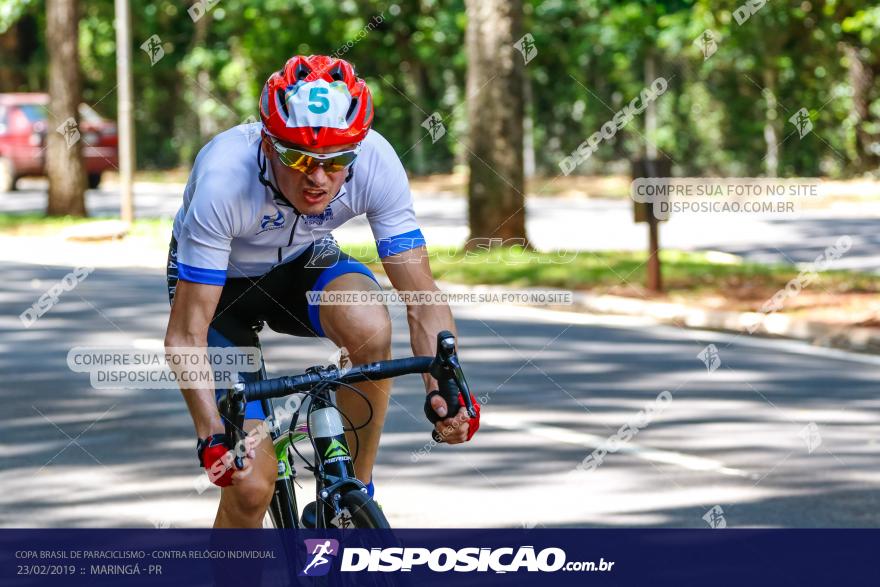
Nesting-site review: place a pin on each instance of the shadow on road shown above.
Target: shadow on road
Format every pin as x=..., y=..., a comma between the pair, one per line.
x=79, y=456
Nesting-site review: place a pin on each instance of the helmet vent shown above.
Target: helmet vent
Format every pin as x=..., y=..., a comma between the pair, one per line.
x=282, y=103
x=264, y=100
x=368, y=111
x=301, y=72
x=351, y=110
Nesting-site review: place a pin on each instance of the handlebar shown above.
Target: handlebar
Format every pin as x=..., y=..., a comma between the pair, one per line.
x=281, y=386
x=443, y=366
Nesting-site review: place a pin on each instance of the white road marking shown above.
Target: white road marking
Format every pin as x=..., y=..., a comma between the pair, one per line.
x=591, y=441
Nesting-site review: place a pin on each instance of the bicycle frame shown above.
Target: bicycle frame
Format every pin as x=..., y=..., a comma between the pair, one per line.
x=283, y=509
x=333, y=467
x=334, y=470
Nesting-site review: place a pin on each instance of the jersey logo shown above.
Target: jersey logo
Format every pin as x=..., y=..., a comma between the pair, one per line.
x=318, y=219
x=272, y=222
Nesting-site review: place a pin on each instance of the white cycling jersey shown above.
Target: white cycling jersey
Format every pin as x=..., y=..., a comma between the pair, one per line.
x=231, y=224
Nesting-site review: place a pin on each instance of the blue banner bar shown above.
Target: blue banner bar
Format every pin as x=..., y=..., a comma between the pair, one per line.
x=556, y=557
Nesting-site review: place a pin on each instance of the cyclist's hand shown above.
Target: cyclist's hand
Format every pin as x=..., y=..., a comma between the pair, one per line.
x=452, y=428
x=250, y=444
x=455, y=430
x=219, y=461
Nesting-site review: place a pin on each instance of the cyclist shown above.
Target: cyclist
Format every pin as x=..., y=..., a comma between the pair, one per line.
x=254, y=235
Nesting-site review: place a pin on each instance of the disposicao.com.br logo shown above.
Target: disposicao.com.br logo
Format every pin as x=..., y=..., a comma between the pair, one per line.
x=321, y=551
x=468, y=559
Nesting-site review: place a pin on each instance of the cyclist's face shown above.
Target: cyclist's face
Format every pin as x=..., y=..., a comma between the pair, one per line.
x=311, y=192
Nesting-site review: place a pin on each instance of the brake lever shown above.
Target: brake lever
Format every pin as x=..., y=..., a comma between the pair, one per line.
x=461, y=383
x=447, y=366
x=232, y=411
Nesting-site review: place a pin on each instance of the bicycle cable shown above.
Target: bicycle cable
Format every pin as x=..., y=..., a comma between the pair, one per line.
x=352, y=428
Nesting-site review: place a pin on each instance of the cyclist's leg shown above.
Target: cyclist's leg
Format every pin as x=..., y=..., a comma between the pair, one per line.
x=243, y=504
x=364, y=330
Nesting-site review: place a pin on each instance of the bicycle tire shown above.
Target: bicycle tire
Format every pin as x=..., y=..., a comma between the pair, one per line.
x=365, y=512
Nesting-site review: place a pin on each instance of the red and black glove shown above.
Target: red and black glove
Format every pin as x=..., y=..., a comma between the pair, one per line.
x=454, y=401
x=212, y=456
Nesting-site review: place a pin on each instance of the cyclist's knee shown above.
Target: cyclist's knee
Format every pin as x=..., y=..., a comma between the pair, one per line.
x=251, y=497
x=364, y=330
x=368, y=336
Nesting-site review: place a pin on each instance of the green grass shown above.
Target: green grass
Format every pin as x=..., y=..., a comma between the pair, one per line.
x=33, y=222
x=682, y=271
x=155, y=228
x=615, y=271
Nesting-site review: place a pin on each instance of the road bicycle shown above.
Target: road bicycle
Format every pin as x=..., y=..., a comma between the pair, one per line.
x=341, y=499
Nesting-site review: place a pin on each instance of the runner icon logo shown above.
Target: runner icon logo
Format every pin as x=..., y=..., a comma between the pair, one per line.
x=321, y=552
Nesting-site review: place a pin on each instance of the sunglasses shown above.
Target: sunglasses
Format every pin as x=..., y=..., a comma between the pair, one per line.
x=306, y=162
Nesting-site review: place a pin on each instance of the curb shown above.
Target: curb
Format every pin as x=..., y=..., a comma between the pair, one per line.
x=771, y=325
x=860, y=339
x=97, y=231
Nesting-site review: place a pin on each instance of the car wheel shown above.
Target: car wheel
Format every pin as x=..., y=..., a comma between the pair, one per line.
x=7, y=177
x=94, y=180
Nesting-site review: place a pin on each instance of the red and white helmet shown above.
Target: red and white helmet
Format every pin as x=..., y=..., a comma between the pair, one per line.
x=316, y=101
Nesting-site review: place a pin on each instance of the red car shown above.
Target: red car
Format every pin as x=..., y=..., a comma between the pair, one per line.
x=23, y=129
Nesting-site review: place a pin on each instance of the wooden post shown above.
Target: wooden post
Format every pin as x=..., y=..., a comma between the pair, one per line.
x=125, y=122
x=644, y=212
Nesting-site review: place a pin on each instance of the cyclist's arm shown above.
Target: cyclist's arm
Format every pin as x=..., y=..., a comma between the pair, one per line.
x=400, y=243
x=411, y=271
x=191, y=314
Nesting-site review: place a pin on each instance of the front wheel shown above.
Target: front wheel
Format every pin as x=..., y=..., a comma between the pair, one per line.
x=362, y=511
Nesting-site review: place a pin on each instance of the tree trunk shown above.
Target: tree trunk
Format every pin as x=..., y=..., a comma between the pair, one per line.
x=771, y=139
x=67, y=177
x=10, y=78
x=18, y=45
x=650, y=107
x=202, y=87
x=861, y=80
x=414, y=88
x=528, y=128
x=496, y=204
x=194, y=125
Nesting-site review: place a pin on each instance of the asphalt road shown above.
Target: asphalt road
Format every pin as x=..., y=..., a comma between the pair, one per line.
x=780, y=434
x=569, y=224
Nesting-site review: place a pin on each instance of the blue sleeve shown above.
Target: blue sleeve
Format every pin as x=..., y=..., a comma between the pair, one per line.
x=400, y=243
x=199, y=275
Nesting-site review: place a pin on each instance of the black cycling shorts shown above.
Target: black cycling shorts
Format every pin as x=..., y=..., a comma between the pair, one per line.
x=277, y=298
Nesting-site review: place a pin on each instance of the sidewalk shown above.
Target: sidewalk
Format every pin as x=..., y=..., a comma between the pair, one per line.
x=558, y=222
x=861, y=339
x=776, y=324
x=137, y=252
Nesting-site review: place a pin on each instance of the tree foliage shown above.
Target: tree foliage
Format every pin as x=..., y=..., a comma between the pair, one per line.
x=719, y=116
